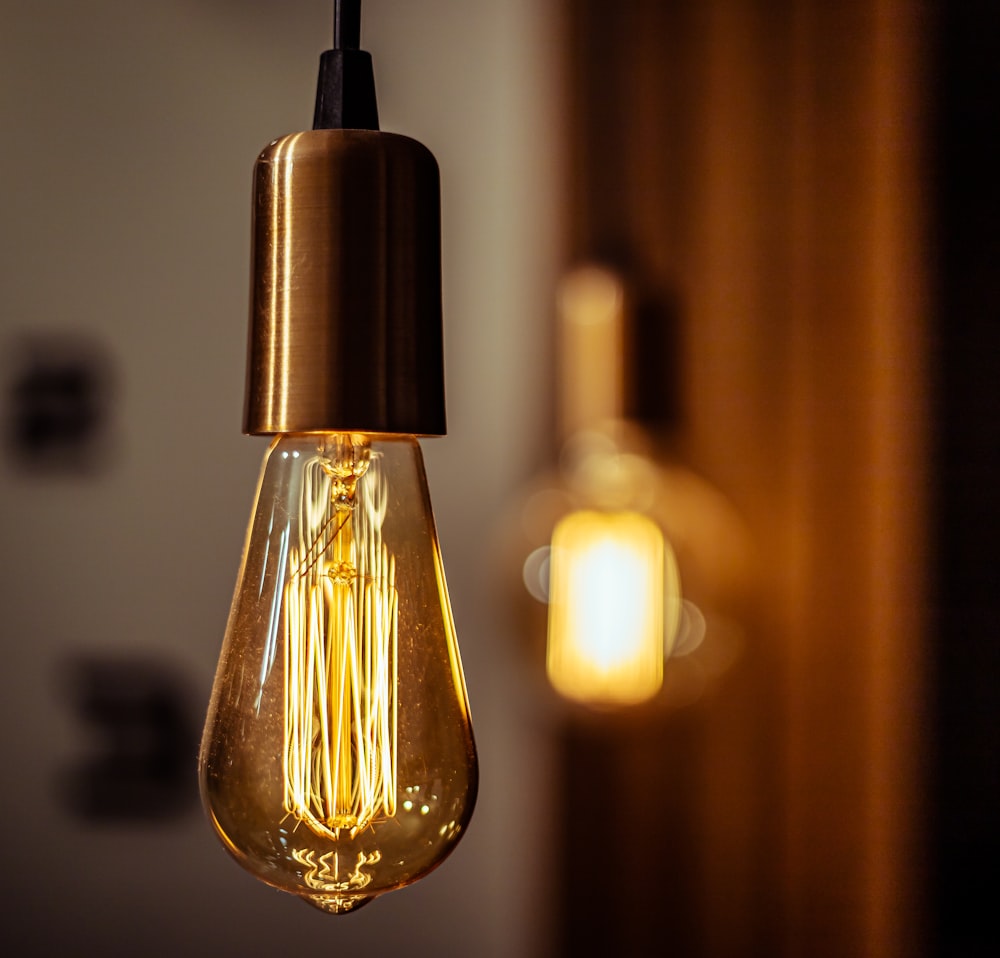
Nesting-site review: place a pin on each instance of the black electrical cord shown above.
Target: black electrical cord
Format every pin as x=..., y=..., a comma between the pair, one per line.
x=347, y=25
x=345, y=92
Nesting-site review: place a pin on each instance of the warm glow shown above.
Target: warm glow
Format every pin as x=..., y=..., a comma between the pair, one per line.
x=340, y=649
x=614, y=596
x=338, y=761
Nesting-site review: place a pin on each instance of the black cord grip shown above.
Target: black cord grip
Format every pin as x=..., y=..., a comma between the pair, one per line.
x=345, y=91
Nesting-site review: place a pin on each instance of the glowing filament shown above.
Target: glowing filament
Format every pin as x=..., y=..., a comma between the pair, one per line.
x=340, y=648
x=613, y=587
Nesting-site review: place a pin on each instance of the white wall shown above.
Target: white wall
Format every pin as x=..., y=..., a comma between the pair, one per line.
x=128, y=134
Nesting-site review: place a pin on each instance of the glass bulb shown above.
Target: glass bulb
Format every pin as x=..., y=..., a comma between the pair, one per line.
x=338, y=760
x=615, y=597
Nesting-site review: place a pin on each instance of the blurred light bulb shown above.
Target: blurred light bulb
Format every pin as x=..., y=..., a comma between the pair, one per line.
x=603, y=542
x=614, y=598
x=338, y=760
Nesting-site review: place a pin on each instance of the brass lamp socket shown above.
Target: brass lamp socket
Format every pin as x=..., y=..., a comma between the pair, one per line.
x=345, y=300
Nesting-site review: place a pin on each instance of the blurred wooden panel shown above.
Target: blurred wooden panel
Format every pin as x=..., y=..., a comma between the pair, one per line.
x=760, y=165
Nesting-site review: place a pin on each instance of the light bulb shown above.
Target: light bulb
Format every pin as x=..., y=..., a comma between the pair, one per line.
x=603, y=543
x=614, y=597
x=338, y=760
x=614, y=589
